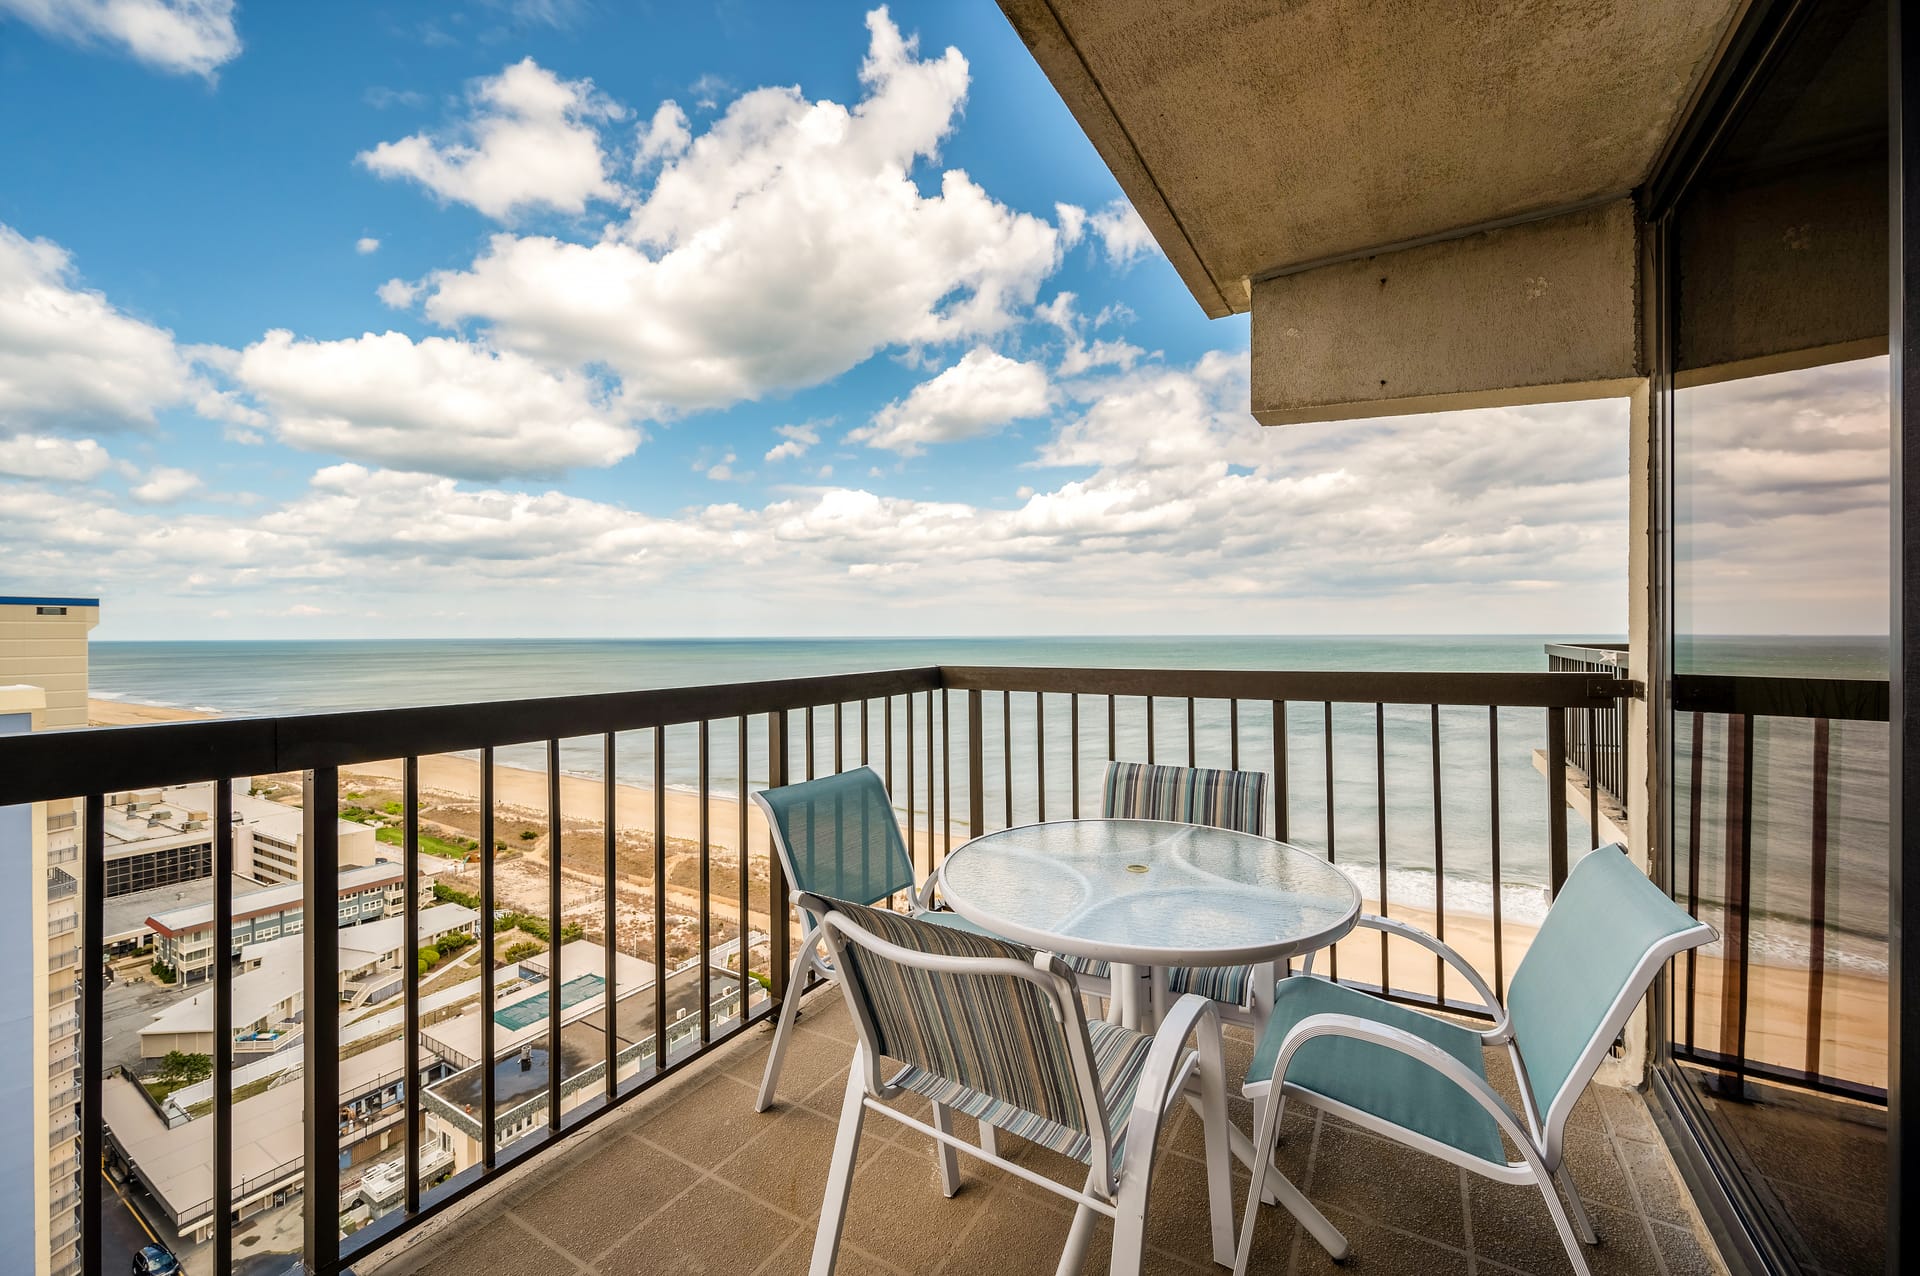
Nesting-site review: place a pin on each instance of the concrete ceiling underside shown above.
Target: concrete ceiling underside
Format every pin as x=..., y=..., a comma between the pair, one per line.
x=1257, y=139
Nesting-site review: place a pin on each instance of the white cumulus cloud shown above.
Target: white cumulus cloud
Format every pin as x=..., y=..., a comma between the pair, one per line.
x=42, y=456
x=786, y=243
x=68, y=356
x=982, y=393
x=532, y=141
x=187, y=37
x=164, y=484
x=1122, y=234
x=366, y=245
x=798, y=438
x=437, y=404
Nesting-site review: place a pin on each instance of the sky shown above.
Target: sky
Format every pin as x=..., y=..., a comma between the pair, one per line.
x=563, y=317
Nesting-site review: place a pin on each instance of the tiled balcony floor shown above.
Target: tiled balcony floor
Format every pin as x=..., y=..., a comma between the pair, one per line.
x=691, y=1179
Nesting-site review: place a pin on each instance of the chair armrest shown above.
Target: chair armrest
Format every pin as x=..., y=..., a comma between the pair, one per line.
x=1168, y=1062
x=923, y=893
x=1497, y=1035
x=1416, y=1048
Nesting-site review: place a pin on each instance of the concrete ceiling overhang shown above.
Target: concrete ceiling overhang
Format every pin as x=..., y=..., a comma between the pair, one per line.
x=1263, y=139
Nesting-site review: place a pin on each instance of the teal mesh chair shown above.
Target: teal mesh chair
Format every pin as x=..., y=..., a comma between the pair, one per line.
x=1200, y=795
x=1422, y=1080
x=997, y=1031
x=836, y=836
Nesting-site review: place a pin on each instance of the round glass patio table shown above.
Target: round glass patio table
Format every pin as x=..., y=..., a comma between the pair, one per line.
x=1150, y=893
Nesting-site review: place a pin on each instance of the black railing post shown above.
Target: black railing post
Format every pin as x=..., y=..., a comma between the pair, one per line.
x=779, y=915
x=223, y=1026
x=706, y=874
x=320, y=923
x=1281, y=824
x=410, y=979
x=1556, y=799
x=488, y=1136
x=976, y=767
x=93, y=1040
x=660, y=900
x=555, y=976
x=609, y=915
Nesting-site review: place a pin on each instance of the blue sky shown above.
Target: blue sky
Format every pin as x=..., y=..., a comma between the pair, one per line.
x=560, y=317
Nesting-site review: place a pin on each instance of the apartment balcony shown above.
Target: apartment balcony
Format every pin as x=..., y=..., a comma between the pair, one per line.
x=1451, y=800
x=689, y=1178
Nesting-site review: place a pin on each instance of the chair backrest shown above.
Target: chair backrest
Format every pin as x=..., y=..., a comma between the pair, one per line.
x=992, y=1015
x=836, y=836
x=1190, y=795
x=1609, y=932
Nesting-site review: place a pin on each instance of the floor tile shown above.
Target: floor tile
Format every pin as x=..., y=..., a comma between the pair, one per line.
x=713, y=1228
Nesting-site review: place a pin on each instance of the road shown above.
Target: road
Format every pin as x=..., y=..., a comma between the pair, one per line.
x=125, y=1231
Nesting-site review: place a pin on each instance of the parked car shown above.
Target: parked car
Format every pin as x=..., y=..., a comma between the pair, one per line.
x=157, y=1260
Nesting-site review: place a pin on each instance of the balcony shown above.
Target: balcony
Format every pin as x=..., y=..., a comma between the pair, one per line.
x=690, y=1178
x=612, y=1161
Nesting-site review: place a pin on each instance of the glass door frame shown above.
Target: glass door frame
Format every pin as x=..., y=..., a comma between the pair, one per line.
x=1740, y=1223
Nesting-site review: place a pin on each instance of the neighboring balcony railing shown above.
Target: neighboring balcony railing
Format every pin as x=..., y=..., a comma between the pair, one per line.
x=1596, y=738
x=1420, y=785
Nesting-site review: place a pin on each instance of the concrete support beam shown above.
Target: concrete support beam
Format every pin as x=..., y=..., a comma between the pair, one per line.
x=1542, y=311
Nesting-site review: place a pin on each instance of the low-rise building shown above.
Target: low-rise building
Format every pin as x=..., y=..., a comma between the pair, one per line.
x=269, y=1004
x=168, y=1153
x=162, y=837
x=184, y=938
x=521, y=1057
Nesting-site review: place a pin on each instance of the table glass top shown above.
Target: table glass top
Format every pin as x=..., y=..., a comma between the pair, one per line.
x=1150, y=892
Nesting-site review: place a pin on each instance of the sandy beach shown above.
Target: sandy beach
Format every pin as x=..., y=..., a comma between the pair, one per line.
x=1853, y=1019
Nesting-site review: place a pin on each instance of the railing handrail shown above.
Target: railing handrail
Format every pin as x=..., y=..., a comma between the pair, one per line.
x=1598, y=653
x=62, y=764
x=48, y=766
x=1507, y=689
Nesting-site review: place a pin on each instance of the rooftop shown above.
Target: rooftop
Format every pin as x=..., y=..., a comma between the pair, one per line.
x=255, y=994
x=688, y=1178
x=272, y=899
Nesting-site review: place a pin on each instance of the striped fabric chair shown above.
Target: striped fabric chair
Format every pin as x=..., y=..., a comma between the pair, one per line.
x=1200, y=795
x=996, y=1031
x=837, y=836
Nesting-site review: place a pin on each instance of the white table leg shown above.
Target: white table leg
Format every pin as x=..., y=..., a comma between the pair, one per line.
x=1157, y=995
x=1126, y=988
x=1241, y=1145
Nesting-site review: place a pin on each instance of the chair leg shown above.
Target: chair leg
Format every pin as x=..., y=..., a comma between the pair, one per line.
x=1561, y=1224
x=1259, y=1110
x=1214, y=1126
x=1130, y=1220
x=948, y=1158
x=1582, y=1224
x=846, y=1149
x=1073, y=1255
x=989, y=1140
x=1265, y=1175
x=783, y=1031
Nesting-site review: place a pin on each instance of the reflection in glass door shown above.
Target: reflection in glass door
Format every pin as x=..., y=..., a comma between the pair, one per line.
x=1778, y=765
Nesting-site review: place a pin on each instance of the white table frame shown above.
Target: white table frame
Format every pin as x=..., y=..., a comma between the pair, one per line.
x=1128, y=961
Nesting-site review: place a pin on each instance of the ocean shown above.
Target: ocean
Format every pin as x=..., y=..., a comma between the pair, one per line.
x=296, y=676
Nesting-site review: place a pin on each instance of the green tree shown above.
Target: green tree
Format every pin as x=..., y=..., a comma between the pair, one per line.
x=524, y=949
x=180, y=1068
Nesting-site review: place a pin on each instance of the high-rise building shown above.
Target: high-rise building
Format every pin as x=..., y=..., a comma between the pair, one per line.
x=43, y=687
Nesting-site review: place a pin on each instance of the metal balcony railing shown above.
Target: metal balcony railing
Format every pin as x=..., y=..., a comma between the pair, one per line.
x=963, y=750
